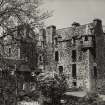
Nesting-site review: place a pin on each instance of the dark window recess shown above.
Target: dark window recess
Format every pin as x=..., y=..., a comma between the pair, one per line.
x=56, y=56
x=40, y=58
x=74, y=71
x=86, y=38
x=9, y=51
x=56, y=41
x=94, y=45
x=60, y=69
x=95, y=72
x=4, y=74
x=74, y=83
x=81, y=42
x=74, y=55
x=93, y=51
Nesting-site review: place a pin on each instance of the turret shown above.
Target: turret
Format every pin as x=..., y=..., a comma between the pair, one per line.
x=50, y=33
x=97, y=26
x=42, y=38
x=75, y=24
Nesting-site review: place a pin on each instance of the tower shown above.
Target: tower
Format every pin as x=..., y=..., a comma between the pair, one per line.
x=100, y=54
x=50, y=35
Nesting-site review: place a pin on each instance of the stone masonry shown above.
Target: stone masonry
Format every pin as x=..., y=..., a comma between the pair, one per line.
x=78, y=52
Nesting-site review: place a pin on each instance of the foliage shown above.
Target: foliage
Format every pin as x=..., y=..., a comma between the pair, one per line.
x=14, y=12
x=91, y=99
x=52, y=85
x=7, y=90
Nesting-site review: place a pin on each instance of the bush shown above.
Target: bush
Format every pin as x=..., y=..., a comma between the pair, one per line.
x=52, y=85
x=91, y=99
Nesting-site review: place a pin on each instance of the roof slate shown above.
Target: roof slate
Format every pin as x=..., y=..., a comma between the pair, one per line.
x=68, y=33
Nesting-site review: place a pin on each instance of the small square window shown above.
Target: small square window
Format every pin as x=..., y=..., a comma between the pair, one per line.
x=74, y=83
x=86, y=38
x=60, y=69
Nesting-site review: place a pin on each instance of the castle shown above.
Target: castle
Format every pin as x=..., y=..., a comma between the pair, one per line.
x=18, y=56
x=76, y=51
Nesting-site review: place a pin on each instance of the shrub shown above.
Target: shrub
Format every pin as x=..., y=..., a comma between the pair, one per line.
x=91, y=99
x=52, y=85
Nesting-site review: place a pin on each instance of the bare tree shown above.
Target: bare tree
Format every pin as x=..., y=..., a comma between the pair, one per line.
x=17, y=12
x=21, y=11
x=14, y=13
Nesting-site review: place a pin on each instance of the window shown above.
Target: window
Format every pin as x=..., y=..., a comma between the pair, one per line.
x=9, y=51
x=81, y=42
x=55, y=41
x=93, y=51
x=60, y=69
x=74, y=70
x=40, y=58
x=73, y=55
x=86, y=38
x=74, y=83
x=95, y=72
x=56, y=56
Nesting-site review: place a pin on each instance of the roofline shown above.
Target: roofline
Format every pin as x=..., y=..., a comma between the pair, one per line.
x=71, y=26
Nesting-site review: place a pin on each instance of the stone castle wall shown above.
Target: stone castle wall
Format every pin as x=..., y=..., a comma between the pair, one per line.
x=85, y=54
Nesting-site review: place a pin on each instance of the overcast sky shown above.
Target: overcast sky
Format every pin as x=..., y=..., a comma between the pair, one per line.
x=68, y=11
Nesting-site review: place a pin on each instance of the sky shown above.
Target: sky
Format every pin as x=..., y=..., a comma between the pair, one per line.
x=68, y=11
